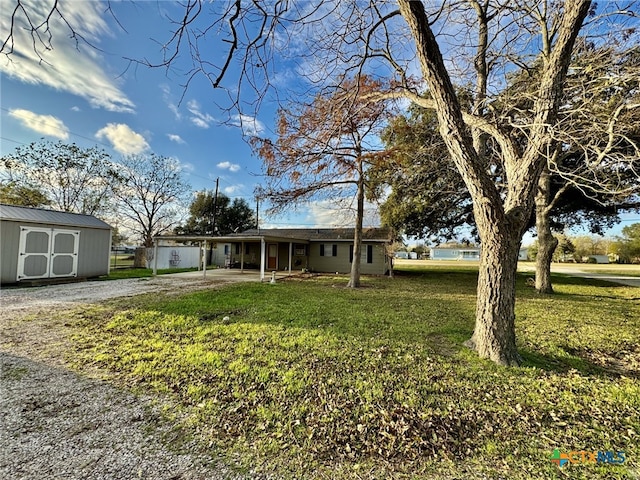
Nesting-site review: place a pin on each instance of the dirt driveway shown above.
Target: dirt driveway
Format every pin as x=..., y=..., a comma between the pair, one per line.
x=57, y=424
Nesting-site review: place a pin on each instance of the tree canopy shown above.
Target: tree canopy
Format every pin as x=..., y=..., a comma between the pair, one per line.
x=71, y=178
x=221, y=216
x=324, y=150
x=150, y=195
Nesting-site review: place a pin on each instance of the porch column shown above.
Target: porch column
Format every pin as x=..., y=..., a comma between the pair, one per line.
x=204, y=260
x=290, y=255
x=263, y=253
x=242, y=257
x=155, y=257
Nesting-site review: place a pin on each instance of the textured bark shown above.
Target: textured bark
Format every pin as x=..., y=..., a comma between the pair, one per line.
x=354, y=280
x=547, y=243
x=500, y=221
x=494, y=333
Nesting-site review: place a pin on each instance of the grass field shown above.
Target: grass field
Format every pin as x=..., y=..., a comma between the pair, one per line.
x=309, y=379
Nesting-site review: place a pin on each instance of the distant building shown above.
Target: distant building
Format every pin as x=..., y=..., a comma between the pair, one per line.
x=454, y=253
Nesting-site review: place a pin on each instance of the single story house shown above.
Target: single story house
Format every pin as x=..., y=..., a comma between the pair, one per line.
x=454, y=253
x=41, y=244
x=313, y=249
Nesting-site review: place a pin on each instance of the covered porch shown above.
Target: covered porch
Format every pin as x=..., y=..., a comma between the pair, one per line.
x=264, y=253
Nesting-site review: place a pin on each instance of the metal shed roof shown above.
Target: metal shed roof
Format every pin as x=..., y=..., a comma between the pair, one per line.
x=50, y=217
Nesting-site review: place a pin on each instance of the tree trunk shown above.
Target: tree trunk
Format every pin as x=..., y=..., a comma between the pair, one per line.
x=354, y=280
x=547, y=243
x=500, y=221
x=494, y=334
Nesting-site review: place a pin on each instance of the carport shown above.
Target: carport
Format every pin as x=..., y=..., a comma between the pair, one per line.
x=268, y=246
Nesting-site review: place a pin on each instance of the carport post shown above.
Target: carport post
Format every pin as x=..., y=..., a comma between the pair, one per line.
x=290, y=255
x=155, y=257
x=204, y=260
x=263, y=252
x=242, y=257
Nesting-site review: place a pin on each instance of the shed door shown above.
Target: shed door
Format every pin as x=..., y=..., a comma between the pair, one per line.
x=47, y=252
x=64, y=253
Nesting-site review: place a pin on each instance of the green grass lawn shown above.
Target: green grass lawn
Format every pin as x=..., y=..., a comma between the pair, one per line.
x=309, y=379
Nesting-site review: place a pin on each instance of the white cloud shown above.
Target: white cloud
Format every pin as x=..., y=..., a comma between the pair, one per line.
x=250, y=126
x=175, y=138
x=67, y=66
x=233, y=189
x=75, y=109
x=187, y=167
x=166, y=96
x=199, y=118
x=44, y=124
x=123, y=139
x=232, y=167
x=339, y=213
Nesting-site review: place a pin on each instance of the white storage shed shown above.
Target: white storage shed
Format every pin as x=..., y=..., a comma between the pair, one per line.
x=41, y=244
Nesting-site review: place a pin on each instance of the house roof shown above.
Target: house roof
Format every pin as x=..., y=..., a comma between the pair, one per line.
x=51, y=217
x=379, y=234
x=302, y=235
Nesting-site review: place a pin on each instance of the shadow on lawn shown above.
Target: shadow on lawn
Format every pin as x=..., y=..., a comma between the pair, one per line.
x=583, y=360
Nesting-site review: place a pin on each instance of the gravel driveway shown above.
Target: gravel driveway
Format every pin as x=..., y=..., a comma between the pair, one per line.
x=57, y=424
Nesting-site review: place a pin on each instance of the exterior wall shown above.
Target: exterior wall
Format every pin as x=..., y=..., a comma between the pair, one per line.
x=251, y=254
x=299, y=257
x=93, y=249
x=307, y=256
x=94, y=252
x=10, y=240
x=221, y=252
x=340, y=262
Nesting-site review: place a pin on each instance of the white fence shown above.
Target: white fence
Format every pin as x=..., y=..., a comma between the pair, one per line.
x=177, y=257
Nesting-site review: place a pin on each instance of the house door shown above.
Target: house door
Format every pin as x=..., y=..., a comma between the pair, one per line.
x=272, y=256
x=47, y=253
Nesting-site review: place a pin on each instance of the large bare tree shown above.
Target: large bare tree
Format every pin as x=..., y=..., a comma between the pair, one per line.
x=323, y=150
x=439, y=43
x=150, y=195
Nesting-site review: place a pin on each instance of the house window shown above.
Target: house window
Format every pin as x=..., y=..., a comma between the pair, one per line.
x=226, y=249
x=328, y=250
x=366, y=254
x=300, y=250
x=237, y=249
x=246, y=249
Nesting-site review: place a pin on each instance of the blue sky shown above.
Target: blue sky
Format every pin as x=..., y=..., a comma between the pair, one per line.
x=95, y=96
x=92, y=95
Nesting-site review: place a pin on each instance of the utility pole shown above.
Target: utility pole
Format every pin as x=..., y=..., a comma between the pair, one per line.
x=257, y=213
x=215, y=209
